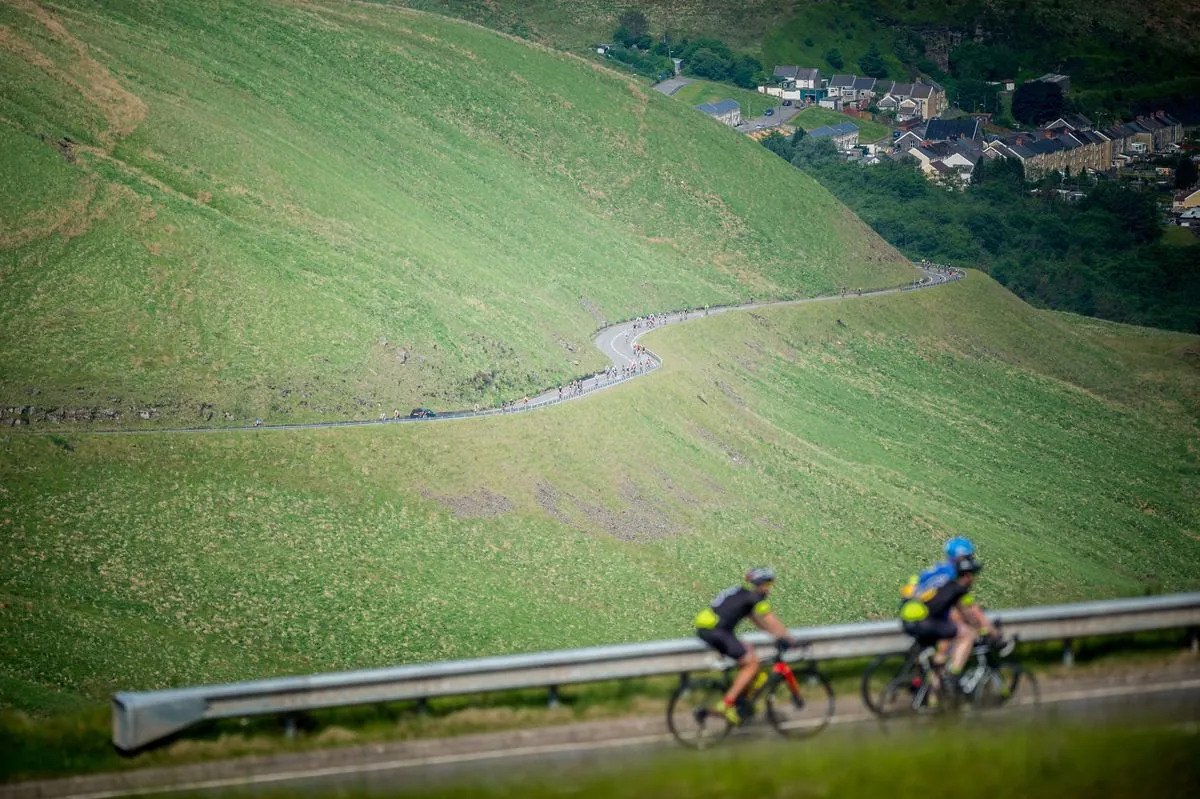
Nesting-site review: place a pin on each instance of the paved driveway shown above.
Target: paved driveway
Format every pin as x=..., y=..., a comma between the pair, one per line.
x=672, y=85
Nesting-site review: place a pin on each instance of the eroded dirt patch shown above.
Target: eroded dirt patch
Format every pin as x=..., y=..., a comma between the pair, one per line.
x=638, y=518
x=481, y=504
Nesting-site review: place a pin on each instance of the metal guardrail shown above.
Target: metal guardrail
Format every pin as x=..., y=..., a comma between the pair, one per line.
x=140, y=719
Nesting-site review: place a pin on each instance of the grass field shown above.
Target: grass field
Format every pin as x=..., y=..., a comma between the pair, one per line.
x=1178, y=236
x=842, y=454
x=702, y=91
x=314, y=211
x=343, y=208
x=868, y=131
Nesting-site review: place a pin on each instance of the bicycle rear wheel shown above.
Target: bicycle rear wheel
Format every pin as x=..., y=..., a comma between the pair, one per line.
x=691, y=717
x=893, y=685
x=803, y=715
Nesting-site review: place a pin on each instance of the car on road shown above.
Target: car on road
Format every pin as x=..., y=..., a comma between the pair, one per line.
x=421, y=413
x=769, y=112
x=787, y=102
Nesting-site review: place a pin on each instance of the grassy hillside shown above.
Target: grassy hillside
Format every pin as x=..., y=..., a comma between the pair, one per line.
x=266, y=209
x=842, y=454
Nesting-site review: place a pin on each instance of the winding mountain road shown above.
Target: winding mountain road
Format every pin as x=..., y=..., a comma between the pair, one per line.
x=617, y=342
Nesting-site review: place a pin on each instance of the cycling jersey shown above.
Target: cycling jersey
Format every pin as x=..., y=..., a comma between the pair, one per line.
x=932, y=593
x=730, y=607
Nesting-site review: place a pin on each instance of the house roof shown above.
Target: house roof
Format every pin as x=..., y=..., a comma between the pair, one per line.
x=884, y=86
x=808, y=73
x=841, y=81
x=921, y=90
x=722, y=107
x=901, y=90
x=940, y=166
x=905, y=135
x=908, y=102
x=864, y=84
x=1053, y=77
x=967, y=128
x=786, y=71
x=840, y=129
x=887, y=101
x=1072, y=121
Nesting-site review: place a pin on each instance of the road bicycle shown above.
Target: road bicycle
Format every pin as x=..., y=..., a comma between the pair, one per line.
x=905, y=684
x=797, y=700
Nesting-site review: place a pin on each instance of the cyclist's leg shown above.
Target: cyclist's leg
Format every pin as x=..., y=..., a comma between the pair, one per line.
x=964, y=639
x=747, y=668
x=727, y=644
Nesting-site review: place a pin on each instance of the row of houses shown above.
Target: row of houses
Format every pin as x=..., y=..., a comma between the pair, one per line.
x=1072, y=144
x=919, y=100
x=948, y=149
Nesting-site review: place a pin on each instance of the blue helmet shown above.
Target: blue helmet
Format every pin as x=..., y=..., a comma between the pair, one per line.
x=958, y=547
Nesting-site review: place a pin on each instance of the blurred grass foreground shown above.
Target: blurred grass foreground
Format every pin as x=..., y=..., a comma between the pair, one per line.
x=959, y=759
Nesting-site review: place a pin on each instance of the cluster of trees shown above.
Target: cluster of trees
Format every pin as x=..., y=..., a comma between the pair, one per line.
x=1100, y=256
x=1036, y=102
x=706, y=58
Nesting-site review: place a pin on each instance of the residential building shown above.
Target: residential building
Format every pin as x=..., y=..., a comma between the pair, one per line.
x=907, y=141
x=1187, y=200
x=795, y=83
x=1061, y=81
x=727, y=111
x=1056, y=150
x=844, y=134
x=1071, y=122
x=953, y=129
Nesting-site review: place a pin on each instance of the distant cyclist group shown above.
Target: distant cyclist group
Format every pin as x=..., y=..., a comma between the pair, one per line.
x=937, y=609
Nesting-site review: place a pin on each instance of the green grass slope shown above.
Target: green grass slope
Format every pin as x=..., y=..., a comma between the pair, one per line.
x=306, y=210
x=841, y=454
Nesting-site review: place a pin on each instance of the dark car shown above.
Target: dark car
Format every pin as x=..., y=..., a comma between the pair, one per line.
x=768, y=112
x=421, y=413
x=787, y=102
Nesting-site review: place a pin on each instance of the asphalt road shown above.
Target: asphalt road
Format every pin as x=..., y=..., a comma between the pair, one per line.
x=615, y=341
x=1164, y=698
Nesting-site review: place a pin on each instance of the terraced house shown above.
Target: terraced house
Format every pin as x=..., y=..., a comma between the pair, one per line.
x=923, y=100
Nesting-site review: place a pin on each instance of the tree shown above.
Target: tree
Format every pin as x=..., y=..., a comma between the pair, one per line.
x=812, y=153
x=746, y=71
x=777, y=143
x=1037, y=102
x=706, y=63
x=635, y=23
x=975, y=95
x=872, y=63
x=798, y=134
x=834, y=58
x=1185, y=173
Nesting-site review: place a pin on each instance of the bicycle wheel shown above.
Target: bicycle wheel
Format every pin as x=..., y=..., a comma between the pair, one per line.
x=893, y=685
x=691, y=717
x=1008, y=684
x=801, y=716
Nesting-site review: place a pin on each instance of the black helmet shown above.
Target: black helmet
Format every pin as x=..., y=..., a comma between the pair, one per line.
x=760, y=575
x=967, y=564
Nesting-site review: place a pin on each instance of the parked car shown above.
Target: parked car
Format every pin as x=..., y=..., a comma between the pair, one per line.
x=421, y=413
x=768, y=112
x=787, y=102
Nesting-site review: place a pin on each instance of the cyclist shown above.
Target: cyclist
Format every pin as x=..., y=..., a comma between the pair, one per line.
x=715, y=626
x=943, y=612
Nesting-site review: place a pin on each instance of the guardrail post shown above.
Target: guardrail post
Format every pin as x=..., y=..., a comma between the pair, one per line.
x=289, y=726
x=552, y=700
x=422, y=706
x=1068, y=653
x=1194, y=642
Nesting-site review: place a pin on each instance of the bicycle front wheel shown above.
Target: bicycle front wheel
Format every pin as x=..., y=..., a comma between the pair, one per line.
x=802, y=714
x=691, y=715
x=1008, y=684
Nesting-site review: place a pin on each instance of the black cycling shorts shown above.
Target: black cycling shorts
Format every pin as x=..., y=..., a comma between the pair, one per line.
x=930, y=631
x=724, y=642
